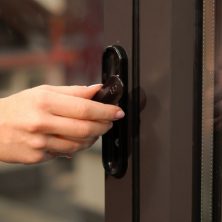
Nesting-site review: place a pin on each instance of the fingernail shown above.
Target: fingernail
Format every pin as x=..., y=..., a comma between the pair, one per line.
x=111, y=125
x=94, y=85
x=69, y=157
x=120, y=114
x=64, y=156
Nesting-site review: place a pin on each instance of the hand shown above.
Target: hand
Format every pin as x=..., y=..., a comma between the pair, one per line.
x=38, y=123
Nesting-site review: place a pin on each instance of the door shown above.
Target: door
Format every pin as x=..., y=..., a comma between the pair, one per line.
x=171, y=61
x=173, y=148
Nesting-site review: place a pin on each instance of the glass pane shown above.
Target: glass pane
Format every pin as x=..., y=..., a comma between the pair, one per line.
x=217, y=116
x=57, y=42
x=168, y=68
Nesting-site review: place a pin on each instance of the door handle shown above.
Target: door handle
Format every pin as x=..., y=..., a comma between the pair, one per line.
x=115, y=91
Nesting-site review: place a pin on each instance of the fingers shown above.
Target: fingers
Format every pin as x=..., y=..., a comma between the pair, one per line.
x=61, y=145
x=69, y=154
x=52, y=147
x=57, y=154
x=75, y=128
x=80, y=140
x=77, y=107
x=85, y=109
x=78, y=91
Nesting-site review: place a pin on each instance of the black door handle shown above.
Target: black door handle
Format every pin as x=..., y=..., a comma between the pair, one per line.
x=115, y=91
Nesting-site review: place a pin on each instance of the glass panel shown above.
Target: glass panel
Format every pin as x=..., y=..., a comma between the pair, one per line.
x=168, y=68
x=56, y=42
x=217, y=116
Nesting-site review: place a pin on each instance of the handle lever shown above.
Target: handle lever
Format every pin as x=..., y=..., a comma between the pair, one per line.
x=115, y=91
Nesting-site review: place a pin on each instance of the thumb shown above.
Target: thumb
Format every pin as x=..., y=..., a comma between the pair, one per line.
x=78, y=91
x=92, y=90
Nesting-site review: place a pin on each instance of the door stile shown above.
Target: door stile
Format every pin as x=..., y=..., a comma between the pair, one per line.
x=118, y=31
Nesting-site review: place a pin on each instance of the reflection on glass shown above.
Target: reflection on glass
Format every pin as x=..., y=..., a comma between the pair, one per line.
x=217, y=188
x=51, y=42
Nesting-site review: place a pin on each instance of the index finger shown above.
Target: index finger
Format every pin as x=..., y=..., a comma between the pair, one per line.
x=84, y=109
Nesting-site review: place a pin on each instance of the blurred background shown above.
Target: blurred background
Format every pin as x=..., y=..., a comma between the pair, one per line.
x=57, y=42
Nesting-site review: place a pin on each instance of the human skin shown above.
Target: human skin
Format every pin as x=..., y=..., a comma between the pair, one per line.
x=43, y=122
